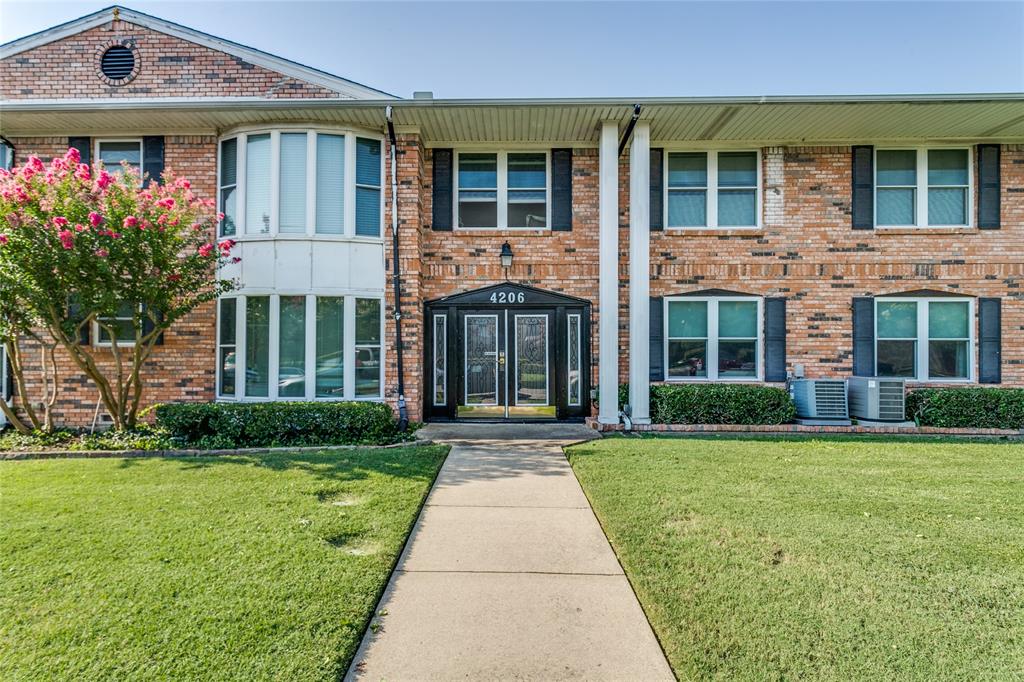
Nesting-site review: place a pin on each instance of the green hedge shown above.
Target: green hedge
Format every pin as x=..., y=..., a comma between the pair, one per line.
x=977, y=408
x=278, y=424
x=717, y=404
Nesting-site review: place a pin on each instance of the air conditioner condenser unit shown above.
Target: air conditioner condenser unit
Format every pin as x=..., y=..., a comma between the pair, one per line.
x=820, y=401
x=878, y=399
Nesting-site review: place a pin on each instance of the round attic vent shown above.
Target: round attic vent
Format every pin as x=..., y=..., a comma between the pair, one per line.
x=118, y=62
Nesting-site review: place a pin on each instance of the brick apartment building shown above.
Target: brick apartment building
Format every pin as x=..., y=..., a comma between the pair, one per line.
x=545, y=249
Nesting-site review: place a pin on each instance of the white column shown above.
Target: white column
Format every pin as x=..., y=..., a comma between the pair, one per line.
x=608, y=299
x=639, y=273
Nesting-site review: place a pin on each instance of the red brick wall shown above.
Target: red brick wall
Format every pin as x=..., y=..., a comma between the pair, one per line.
x=811, y=256
x=184, y=367
x=169, y=67
x=806, y=252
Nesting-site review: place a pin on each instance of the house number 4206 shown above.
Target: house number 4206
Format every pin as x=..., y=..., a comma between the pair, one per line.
x=508, y=297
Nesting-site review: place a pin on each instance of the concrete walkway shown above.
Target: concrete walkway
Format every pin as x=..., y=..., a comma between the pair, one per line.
x=507, y=574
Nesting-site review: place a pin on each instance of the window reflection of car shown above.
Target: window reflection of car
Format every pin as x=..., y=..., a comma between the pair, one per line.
x=367, y=370
x=330, y=374
x=289, y=376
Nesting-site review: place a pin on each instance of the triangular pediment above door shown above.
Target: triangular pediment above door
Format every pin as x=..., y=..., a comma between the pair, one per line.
x=509, y=293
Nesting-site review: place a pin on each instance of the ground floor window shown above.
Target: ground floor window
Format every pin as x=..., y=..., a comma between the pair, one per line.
x=713, y=338
x=300, y=346
x=924, y=339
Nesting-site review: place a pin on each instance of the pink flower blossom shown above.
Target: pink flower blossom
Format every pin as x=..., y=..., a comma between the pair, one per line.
x=104, y=180
x=220, y=217
x=102, y=253
x=80, y=227
x=73, y=155
x=173, y=278
x=67, y=239
x=95, y=218
x=206, y=250
x=60, y=221
x=35, y=163
x=131, y=221
x=3, y=239
x=83, y=172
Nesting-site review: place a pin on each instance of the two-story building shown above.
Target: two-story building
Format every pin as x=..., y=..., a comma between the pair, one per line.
x=516, y=258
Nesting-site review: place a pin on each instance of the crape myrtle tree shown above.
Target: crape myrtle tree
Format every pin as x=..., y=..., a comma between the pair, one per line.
x=99, y=265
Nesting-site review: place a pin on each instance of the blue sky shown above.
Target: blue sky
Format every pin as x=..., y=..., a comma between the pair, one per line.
x=581, y=49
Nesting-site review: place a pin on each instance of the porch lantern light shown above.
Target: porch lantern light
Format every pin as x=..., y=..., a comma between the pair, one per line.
x=506, y=256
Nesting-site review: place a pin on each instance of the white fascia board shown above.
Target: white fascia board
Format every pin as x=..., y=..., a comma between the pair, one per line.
x=344, y=87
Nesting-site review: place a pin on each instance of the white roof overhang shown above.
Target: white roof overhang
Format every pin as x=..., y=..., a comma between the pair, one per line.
x=765, y=121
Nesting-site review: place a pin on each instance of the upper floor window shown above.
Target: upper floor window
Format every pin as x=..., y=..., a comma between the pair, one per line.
x=6, y=154
x=922, y=187
x=713, y=338
x=502, y=190
x=301, y=182
x=713, y=189
x=924, y=339
x=115, y=154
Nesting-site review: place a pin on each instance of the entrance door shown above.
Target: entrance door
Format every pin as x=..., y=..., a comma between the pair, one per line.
x=530, y=373
x=506, y=351
x=506, y=365
x=484, y=393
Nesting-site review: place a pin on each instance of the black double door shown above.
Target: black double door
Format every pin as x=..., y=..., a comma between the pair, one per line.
x=509, y=359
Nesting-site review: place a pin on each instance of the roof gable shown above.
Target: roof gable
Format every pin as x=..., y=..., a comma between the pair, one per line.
x=344, y=87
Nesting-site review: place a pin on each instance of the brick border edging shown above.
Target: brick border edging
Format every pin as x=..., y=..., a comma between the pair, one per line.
x=806, y=429
x=184, y=453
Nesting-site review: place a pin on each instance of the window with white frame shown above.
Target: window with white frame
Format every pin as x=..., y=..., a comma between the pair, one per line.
x=923, y=187
x=6, y=154
x=122, y=323
x=114, y=155
x=227, y=186
x=713, y=338
x=924, y=339
x=503, y=190
x=300, y=347
x=713, y=189
x=301, y=182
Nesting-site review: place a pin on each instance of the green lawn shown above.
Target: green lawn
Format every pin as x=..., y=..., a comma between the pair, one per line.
x=257, y=567
x=836, y=559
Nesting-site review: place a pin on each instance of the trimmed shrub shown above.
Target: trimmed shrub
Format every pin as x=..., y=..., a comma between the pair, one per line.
x=969, y=407
x=717, y=404
x=278, y=424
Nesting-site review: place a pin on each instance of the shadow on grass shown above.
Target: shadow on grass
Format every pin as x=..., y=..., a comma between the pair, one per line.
x=326, y=466
x=824, y=437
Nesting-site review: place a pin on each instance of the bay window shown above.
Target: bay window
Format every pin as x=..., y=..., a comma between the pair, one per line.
x=924, y=339
x=922, y=187
x=713, y=189
x=301, y=182
x=300, y=346
x=502, y=190
x=713, y=338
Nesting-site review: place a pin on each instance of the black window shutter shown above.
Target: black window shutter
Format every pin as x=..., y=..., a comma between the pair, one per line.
x=442, y=190
x=657, y=187
x=152, y=157
x=775, y=339
x=863, y=336
x=561, y=190
x=148, y=326
x=84, y=147
x=863, y=187
x=990, y=349
x=988, y=187
x=657, y=339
